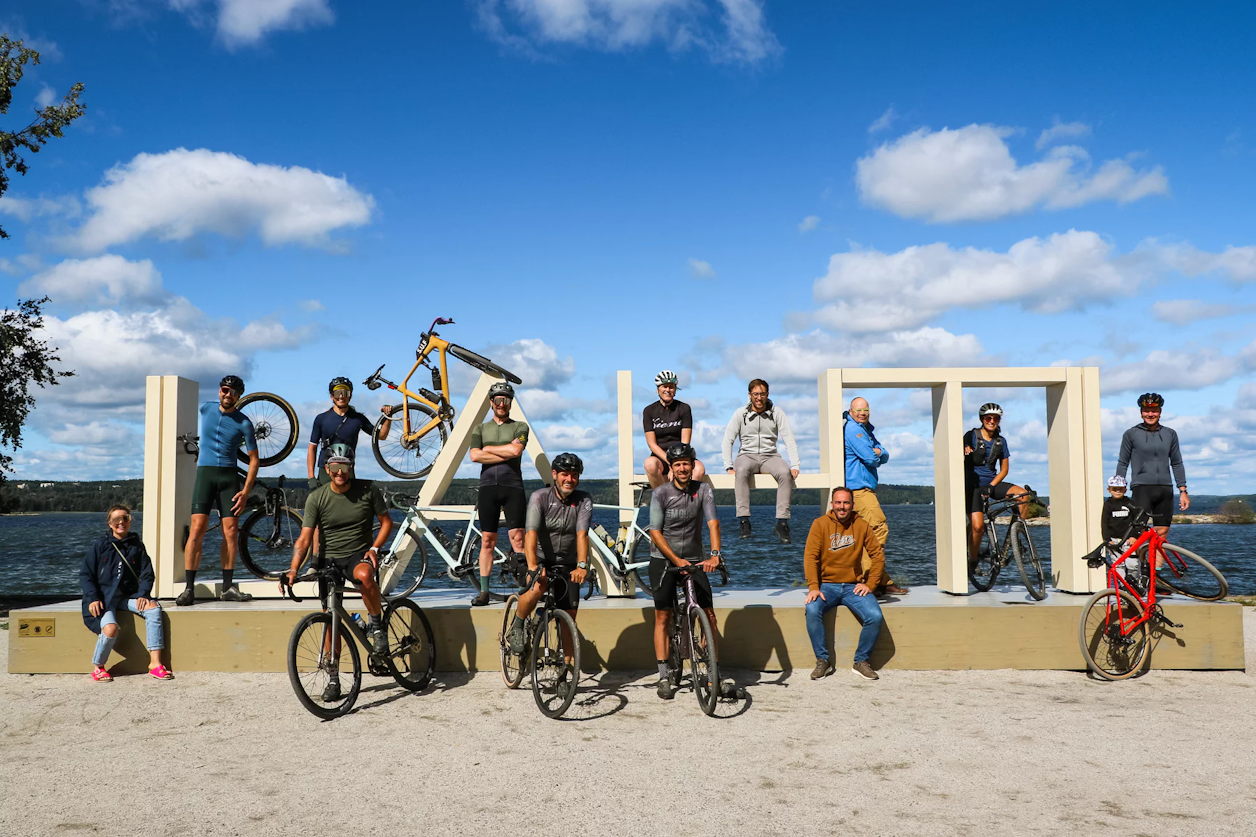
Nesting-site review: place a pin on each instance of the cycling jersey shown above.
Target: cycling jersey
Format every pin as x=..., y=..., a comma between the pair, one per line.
x=1152, y=451
x=557, y=522
x=331, y=427
x=681, y=515
x=996, y=450
x=221, y=434
x=490, y=434
x=666, y=421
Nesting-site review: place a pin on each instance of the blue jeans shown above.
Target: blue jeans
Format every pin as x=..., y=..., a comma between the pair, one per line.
x=154, y=638
x=865, y=608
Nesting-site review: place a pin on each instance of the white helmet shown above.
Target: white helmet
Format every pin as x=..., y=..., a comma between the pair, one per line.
x=667, y=376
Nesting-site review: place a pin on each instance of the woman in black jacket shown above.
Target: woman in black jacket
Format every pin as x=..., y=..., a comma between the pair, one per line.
x=117, y=574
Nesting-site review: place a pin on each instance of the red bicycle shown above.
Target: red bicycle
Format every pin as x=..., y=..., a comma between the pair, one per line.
x=1117, y=622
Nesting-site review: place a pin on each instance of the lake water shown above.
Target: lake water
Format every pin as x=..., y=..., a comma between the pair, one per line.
x=41, y=554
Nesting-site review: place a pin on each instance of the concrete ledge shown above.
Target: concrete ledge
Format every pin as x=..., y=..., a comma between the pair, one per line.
x=761, y=630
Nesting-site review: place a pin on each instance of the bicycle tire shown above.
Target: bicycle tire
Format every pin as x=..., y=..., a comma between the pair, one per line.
x=411, y=656
x=984, y=572
x=268, y=553
x=704, y=667
x=514, y=666
x=482, y=363
x=1027, y=561
x=308, y=668
x=1107, y=653
x=414, y=459
x=549, y=665
x=400, y=575
x=1203, y=581
x=275, y=427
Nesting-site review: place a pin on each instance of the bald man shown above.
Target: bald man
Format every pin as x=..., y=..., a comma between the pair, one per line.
x=864, y=454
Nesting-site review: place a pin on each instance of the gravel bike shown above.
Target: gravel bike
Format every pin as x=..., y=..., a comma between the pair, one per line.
x=551, y=649
x=1116, y=622
x=1015, y=544
x=426, y=416
x=626, y=554
x=691, y=637
x=318, y=644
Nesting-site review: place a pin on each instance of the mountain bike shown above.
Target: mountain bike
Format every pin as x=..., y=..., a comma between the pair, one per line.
x=551, y=649
x=627, y=554
x=691, y=637
x=401, y=573
x=318, y=644
x=1116, y=622
x=426, y=416
x=1016, y=544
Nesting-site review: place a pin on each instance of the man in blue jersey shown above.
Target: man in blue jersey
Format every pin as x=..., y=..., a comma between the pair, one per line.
x=223, y=429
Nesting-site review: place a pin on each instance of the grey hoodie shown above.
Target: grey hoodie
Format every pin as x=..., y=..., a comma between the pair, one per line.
x=758, y=433
x=1152, y=453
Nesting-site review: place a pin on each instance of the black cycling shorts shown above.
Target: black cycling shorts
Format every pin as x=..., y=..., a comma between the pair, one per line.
x=345, y=566
x=214, y=488
x=665, y=589
x=973, y=495
x=493, y=499
x=566, y=592
x=1157, y=501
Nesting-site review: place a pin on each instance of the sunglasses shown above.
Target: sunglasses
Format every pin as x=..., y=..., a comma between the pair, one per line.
x=339, y=468
x=225, y=390
x=118, y=521
x=992, y=418
x=501, y=401
x=341, y=392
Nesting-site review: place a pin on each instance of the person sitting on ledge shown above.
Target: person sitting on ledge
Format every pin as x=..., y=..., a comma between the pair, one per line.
x=831, y=561
x=757, y=425
x=116, y=575
x=666, y=422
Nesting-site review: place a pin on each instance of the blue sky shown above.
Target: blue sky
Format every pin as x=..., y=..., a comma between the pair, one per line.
x=294, y=189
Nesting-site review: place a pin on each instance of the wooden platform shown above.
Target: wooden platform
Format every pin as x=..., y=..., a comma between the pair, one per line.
x=762, y=630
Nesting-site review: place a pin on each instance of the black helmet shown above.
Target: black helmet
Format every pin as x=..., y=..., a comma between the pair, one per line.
x=1151, y=399
x=989, y=408
x=340, y=381
x=567, y=463
x=232, y=381
x=680, y=450
x=501, y=388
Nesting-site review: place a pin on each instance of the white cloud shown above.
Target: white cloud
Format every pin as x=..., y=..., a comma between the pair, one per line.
x=245, y=22
x=885, y=121
x=742, y=36
x=559, y=437
x=180, y=194
x=45, y=97
x=809, y=223
x=969, y=174
x=312, y=305
x=24, y=209
x=535, y=361
x=1061, y=130
x=1236, y=263
x=1177, y=369
x=700, y=269
x=550, y=405
x=1184, y=311
x=104, y=280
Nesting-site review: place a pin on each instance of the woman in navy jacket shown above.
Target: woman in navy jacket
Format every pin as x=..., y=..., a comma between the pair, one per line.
x=117, y=574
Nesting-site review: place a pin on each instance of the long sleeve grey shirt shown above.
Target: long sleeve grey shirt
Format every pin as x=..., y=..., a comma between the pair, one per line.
x=758, y=433
x=1152, y=453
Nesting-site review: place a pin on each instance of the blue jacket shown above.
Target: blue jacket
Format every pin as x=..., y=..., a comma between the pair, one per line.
x=861, y=462
x=106, y=578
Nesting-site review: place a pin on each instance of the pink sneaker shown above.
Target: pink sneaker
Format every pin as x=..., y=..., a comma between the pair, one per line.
x=102, y=676
x=161, y=673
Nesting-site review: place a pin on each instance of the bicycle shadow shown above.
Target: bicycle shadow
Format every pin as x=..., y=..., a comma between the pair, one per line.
x=603, y=700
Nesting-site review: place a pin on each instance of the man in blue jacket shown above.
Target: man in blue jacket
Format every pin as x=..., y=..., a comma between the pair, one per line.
x=864, y=454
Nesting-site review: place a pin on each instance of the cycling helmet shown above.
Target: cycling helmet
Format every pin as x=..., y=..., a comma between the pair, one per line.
x=339, y=452
x=667, y=376
x=680, y=451
x=1116, y=482
x=340, y=381
x=567, y=463
x=501, y=388
x=1151, y=399
x=232, y=381
x=989, y=408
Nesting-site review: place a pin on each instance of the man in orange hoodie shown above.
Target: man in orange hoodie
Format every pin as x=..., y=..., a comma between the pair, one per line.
x=834, y=577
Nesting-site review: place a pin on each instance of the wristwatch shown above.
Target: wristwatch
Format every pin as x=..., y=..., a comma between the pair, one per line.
x=582, y=565
x=715, y=553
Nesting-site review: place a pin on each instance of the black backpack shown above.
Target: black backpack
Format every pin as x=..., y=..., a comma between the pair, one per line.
x=979, y=457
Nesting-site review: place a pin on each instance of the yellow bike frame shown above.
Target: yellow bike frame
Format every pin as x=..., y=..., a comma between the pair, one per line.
x=442, y=346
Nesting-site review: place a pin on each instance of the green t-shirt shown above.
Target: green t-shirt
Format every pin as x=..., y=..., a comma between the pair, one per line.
x=345, y=521
x=510, y=472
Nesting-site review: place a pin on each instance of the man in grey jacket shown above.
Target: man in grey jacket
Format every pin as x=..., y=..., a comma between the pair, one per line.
x=758, y=425
x=1153, y=452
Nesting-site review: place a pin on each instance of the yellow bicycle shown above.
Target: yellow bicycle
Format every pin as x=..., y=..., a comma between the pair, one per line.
x=426, y=416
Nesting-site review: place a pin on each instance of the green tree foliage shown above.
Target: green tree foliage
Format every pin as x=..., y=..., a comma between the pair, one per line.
x=49, y=122
x=1236, y=510
x=24, y=360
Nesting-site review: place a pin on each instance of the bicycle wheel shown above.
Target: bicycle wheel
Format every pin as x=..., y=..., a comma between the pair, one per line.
x=482, y=363
x=267, y=540
x=513, y=664
x=555, y=662
x=274, y=424
x=310, y=664
x=1027, y=560
x=704, y=667
x=409, y=459
x=1111, y=653
x=1185, y=572
x=403, y=567
x=411, y=646
x=985, y=571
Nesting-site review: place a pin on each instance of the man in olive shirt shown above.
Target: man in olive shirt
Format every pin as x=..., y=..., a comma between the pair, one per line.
x=498, y=446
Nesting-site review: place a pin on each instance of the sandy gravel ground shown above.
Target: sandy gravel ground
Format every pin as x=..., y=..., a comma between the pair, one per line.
x=917, y=753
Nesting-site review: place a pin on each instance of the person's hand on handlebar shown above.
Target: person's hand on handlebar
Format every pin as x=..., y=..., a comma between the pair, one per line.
x=711, y=564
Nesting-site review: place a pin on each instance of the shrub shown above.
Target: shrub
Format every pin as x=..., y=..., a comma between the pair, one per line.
x=1236, y=511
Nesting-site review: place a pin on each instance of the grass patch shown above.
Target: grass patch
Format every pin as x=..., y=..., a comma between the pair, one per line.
x=4, y=626
x=1246, y=601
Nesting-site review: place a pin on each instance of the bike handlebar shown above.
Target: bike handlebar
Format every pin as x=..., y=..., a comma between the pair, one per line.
x=695, y=565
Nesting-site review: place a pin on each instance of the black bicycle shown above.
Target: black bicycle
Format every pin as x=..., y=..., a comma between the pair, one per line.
x=1015, y=544
x=692, y=638
x=317, y=645
x=550, y=649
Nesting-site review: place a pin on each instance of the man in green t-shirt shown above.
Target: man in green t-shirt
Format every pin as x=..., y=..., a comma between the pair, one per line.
x=498, y=446
x=344, y=511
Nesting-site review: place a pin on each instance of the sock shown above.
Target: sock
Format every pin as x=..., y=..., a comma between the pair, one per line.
x=377, y=620
x=104, y=644
x=662, y=668
x=744, y=519
x=226, y=579
x=189, y=578
x=484, y=583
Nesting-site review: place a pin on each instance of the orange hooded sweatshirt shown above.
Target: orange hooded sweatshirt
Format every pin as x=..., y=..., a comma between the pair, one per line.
x=833, y=551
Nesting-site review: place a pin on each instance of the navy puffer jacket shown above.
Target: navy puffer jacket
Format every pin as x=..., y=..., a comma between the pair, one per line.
x=112, y=578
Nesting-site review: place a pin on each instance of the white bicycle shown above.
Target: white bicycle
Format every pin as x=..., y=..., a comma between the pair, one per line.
x=626, y=554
